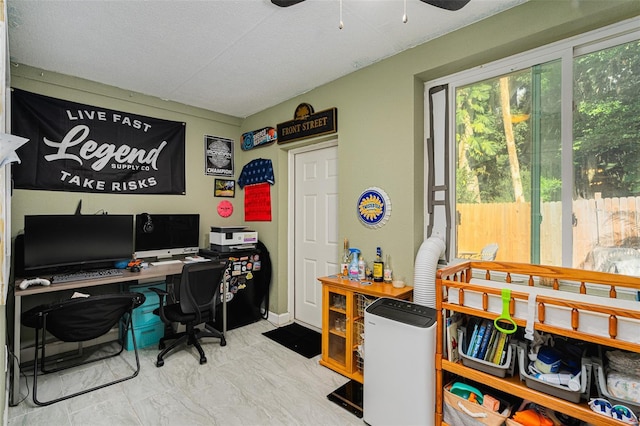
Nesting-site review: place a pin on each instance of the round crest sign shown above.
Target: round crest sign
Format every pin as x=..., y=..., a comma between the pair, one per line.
x=374, y=207
x=225, y=208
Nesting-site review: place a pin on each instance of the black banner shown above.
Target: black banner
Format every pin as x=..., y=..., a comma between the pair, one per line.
x=81, y=148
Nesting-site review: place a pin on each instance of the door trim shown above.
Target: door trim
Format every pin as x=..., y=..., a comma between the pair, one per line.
x=291, y=216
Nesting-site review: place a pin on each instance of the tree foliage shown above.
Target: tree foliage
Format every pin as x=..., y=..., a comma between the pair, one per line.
x=485, y=148
x=607, y=122
x=606, y=130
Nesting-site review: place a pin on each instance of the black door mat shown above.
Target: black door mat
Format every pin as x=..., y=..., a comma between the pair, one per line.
x=349, y=396
x=299, y=339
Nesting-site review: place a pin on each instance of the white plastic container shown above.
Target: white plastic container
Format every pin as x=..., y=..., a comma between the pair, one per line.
x=362, y=268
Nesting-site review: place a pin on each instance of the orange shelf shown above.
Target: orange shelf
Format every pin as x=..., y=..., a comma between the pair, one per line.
x=338, y=347
x=457, y=278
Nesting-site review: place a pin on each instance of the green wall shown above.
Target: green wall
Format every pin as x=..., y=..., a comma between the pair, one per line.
x=380, y=132
x=380, y=116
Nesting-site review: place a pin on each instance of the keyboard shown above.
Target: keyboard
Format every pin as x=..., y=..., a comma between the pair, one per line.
x=165, y=262
x=85, y=275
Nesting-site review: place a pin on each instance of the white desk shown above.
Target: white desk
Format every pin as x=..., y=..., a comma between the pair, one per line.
x=146, y=274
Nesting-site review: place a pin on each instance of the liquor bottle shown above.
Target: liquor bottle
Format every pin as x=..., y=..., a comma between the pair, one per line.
x=344, y=266
x=368, y=273
x=388, y=272
x=378, y=266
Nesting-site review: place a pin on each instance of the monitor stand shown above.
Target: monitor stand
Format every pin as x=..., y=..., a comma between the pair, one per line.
x=349, y=397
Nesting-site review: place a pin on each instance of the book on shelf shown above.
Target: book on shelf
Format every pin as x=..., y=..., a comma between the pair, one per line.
x=479, y=338
x=472, y=340
x=484, y=343
x=503, y=356
x=491, y=347
x=501, y=349
x=452, y=323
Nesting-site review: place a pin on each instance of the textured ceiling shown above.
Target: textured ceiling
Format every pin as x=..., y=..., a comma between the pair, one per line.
x=235, y=57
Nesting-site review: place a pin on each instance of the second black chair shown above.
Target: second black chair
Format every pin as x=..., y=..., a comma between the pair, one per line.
x=82, y=319
x=199, y=295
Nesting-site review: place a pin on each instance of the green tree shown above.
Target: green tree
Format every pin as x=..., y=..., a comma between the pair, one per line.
x=607, y=122
x=484, y=170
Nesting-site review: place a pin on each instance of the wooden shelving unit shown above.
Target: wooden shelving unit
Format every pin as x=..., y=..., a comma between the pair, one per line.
x=342, y=303
x=592, y=297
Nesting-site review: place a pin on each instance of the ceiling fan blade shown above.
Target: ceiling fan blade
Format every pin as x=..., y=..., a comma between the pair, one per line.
x=446, y=4
x=285, y=3
x=443, y=4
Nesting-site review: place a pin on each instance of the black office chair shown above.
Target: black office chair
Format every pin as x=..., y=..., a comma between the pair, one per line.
x=199, y=295
x=80, y=320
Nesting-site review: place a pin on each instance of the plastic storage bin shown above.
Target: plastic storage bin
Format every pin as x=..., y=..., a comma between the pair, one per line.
x=603, y=391
x=148, y=327
x=143, y=315
x=499, y=370
x=146, y=336
x=558, y=391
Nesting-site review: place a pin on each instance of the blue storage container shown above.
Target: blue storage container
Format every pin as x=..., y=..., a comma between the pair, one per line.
x=148, y=327
x=143, y=315
x=148, y=335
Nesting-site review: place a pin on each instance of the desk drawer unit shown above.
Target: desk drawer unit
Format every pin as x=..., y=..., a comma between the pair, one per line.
x=148, y=326
x=146, y=336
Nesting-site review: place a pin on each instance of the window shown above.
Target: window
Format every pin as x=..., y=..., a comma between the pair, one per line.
x=544, y=153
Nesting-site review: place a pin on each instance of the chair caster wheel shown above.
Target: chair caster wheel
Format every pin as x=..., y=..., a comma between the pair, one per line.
x=223, y=342
x=203, y=361
x=159, y=363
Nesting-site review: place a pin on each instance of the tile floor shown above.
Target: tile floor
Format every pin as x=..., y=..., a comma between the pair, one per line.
x=251, y=381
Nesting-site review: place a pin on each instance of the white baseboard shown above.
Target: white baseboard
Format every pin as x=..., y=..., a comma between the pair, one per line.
x=279, y=319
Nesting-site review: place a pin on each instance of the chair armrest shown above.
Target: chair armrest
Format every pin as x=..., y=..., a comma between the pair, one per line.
x=161, y=293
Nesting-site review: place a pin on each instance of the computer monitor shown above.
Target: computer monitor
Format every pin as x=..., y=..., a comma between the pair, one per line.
x=76, y=241
x=166, y=235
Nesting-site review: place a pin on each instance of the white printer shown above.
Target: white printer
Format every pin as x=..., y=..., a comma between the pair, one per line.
x=227, y=239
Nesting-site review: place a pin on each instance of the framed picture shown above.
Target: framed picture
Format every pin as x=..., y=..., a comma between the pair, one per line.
x=224, y=188
x=219, y=156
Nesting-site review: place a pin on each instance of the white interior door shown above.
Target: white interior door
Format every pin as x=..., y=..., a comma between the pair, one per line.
x=315, y=229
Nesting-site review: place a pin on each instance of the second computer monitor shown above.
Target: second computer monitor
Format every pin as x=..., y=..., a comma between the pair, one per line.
x=166, y=235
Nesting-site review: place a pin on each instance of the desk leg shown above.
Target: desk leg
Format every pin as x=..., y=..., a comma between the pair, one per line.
x=14, y=391
x=224, y=308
